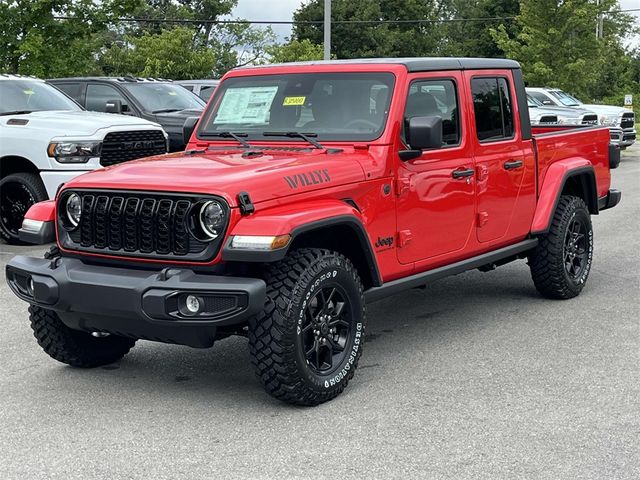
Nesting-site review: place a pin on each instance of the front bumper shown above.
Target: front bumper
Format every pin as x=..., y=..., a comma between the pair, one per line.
x=136, y=303
x=623, y=138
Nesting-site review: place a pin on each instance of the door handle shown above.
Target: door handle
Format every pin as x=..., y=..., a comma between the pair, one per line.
x=463, y=173
x=511, y=164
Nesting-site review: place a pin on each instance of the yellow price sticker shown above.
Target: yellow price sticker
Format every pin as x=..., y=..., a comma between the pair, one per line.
x=28, y=92
x=173, y=94
x=293, y=101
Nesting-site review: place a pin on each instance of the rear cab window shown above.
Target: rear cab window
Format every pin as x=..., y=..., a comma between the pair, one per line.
x=493, y=108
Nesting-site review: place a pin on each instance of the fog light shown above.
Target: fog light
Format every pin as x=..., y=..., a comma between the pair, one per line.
x=192, y=303
x=30, y=287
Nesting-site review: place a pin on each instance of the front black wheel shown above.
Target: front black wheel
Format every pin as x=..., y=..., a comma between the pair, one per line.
x=306, y=343
x=18, y=192
x=561, y=262
x=74, y=347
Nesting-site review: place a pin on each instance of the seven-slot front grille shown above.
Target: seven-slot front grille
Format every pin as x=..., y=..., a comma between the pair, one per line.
x=137, y=224
x=119, y=147
x=628, y=120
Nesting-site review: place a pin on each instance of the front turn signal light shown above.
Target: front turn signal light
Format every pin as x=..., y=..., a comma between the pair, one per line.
x=260, y=242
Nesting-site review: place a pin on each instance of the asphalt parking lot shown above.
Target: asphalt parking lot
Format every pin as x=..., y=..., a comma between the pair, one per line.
x=474, y=377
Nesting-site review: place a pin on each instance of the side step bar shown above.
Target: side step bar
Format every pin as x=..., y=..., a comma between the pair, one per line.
x=419, y=279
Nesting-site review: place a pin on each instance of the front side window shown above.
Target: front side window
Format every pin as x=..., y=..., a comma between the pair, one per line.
x=99, y=95
x=206, y=91
x=163, y=97
x=74, y=90
x=492, y=107
x=332, y=106
x=31, y=96
x=435, y=98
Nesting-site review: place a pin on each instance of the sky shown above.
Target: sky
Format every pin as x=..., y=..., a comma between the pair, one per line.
x=283, y=10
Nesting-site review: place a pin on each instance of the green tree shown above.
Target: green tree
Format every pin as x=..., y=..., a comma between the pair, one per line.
x=35, y=43
x=557, y=47
x=353, y=40
x=295, y=51
x=473, y=38
x=169, y=54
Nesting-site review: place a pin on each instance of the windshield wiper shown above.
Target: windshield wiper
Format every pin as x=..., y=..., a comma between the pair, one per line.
x=17, y=112
x=236, y=136
x=304, y=136
x=167, y=110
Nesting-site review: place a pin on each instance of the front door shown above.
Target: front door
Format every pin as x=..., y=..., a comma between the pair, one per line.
x=499, y=157
x=436, y=191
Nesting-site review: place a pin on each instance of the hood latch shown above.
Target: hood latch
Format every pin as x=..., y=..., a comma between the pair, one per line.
x=245, y=204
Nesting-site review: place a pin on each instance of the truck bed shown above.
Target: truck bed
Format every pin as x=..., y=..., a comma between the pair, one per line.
x=573, y=143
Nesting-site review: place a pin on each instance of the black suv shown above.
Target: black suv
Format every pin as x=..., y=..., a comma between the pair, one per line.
x=160, y=101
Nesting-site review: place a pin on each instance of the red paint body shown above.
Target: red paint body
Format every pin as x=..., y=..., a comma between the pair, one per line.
x=438, y=219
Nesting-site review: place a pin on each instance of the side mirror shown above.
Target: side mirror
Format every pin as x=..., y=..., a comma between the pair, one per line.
x=188, y=128
x=113, y=106
x=422, y=133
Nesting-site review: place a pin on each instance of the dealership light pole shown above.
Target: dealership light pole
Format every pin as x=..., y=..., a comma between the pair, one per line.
x=327, y=29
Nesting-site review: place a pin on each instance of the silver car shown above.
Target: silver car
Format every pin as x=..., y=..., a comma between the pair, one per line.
x=542, y=114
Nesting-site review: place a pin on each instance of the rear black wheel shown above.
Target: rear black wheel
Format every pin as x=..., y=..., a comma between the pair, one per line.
x=561, y=262
x=18, y=192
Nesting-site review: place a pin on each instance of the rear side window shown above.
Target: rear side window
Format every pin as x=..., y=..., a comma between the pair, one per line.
x=74, y=90
x=493, y=108
x=435, y=98
x=98, y=96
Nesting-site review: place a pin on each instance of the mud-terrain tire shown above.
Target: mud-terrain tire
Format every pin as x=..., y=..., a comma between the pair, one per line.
x=18, y=192
x=561, y=262
x=306, y=343
x=73, y=347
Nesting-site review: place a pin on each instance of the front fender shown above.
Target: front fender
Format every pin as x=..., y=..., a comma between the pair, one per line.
x=300, y=219
x=284, y=220
x=38, y=226
x=554, y=181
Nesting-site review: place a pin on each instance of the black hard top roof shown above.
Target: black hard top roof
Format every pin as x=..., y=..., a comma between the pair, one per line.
x=415, y=64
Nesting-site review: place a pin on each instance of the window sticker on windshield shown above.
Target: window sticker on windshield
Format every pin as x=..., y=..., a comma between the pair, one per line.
x=28, y=92
x=293, y=101
x=246, y=105
x=172, y=93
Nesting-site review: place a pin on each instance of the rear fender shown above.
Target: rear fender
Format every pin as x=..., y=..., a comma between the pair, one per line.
x=571, y=171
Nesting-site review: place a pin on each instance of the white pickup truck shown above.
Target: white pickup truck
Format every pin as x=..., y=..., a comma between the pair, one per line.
x=46, y=139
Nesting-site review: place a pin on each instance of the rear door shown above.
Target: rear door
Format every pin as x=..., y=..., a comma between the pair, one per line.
x=436, y=191
x=501, y=164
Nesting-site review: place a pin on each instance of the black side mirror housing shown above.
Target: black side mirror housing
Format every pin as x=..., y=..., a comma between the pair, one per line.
x=423, y=133
x=113, y=106
x=188, y=128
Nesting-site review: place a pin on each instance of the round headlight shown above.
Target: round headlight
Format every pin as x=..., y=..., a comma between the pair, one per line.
x=211, y=218
x=74, y=209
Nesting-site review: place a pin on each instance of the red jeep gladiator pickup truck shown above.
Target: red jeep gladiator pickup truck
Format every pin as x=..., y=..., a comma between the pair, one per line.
x=306, y=191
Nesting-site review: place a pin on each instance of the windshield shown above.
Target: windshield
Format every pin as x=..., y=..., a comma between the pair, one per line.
x=164, y=97
x=31, y=96
x=566, y=99
x=331, y=106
